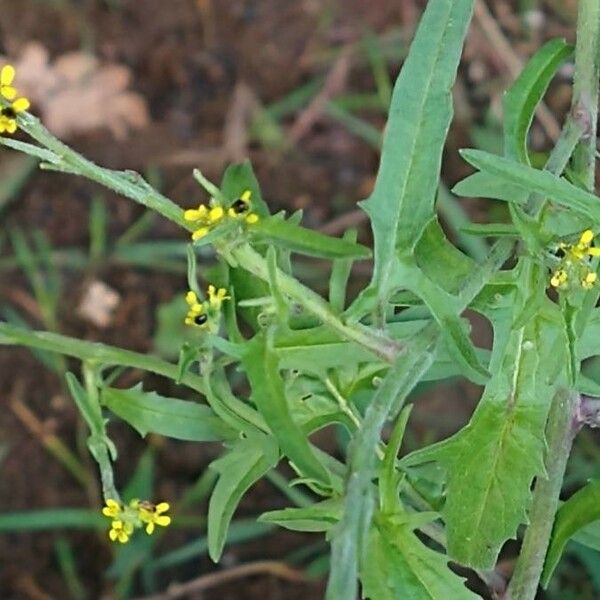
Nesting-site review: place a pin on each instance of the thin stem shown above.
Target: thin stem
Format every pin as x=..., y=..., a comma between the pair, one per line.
x=378, y=343
x=562, y=422
x=132, y=185
x=560, y=433
x=585, y=88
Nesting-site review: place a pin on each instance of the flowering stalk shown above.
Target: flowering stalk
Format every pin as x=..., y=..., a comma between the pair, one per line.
x=560, y=430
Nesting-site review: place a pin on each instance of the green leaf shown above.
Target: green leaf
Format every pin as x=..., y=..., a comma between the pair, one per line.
x=523, y=96
x=321, y=516
x=441, y=261
x=491, y=463
x=445, y=307
x=239, y=469
x=581, y=509
x=306, y=241
x=340, y=273
x=491, y=229
x=268, y=393
x=349, y=535
x=486, y=185
x=420, y=113
x=54, y=518
x=147, y=412
x=396, y=564
x=237, y=179
x=89, y=410
x=533, y=180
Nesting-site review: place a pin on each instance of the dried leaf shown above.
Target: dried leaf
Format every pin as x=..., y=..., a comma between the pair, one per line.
x=76, y=93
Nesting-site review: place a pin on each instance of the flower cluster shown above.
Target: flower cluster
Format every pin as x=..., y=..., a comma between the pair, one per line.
x=135, y=515
x=201, y=314
x=8, y=114
x=574, y=266
x=206, y=218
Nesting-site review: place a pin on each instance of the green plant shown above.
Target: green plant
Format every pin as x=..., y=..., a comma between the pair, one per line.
x=311, y=363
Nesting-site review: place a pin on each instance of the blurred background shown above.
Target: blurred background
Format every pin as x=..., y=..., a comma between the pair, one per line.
x=301, y=88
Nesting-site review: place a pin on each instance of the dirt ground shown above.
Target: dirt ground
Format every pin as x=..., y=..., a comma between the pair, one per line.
x=201, y=66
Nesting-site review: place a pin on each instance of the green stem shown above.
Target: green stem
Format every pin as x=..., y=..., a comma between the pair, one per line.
x=132, y=185
x=585, y=89
x=560, y=430
x=101, y=353
x=560, y=433
x=381, y=345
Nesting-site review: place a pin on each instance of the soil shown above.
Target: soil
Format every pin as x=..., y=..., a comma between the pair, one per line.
x=187, y=59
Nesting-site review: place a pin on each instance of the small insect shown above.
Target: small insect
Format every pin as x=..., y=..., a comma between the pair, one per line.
x=9, y=112
x=146, y=505
x=200, y=319
x=240, y=206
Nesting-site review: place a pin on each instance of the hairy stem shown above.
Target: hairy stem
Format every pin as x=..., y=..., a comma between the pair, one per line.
x=560, y=432
x=562, y=422
x=585, y=89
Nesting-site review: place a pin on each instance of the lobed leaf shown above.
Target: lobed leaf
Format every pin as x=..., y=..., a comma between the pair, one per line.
x=396, y=564
x=492, y=461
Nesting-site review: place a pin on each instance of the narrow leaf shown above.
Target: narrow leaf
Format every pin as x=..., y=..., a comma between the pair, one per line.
x=420, y=114
x=523, y=96
x=240, y=468
x=147, y=412
x=307, y=241
x=581, y=509
x=268, y=393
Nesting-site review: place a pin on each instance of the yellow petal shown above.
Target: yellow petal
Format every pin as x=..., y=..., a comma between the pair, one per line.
x=20, y=105
x=586, y=237
x=162, y=520
x=150, y=528
x=162, y=507
x=112, y=534
x=246, y=195
x=251, y=218
x=594, y=251
x=215, y=214
x=199, y=233
x=191, y=298
x=11, y=126
x=7, y=75
x=8, y=91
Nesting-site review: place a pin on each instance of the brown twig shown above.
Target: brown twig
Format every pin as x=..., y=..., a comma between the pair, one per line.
x=205, y=582
x=513, y=63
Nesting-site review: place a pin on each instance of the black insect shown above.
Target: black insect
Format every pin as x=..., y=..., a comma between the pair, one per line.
x=200, y=319
x=8, y=111
x=240, y=206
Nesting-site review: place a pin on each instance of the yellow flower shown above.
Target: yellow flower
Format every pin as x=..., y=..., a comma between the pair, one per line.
x=8, y=114
x=196, y=314
x=7, y=74
x=584, y=247
x=589, y=280
x=112, y=509
x=241, y=208
x=216, y=297
x=120, y=531
x=574, y=263
x=152, y=515
x=559, y=279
